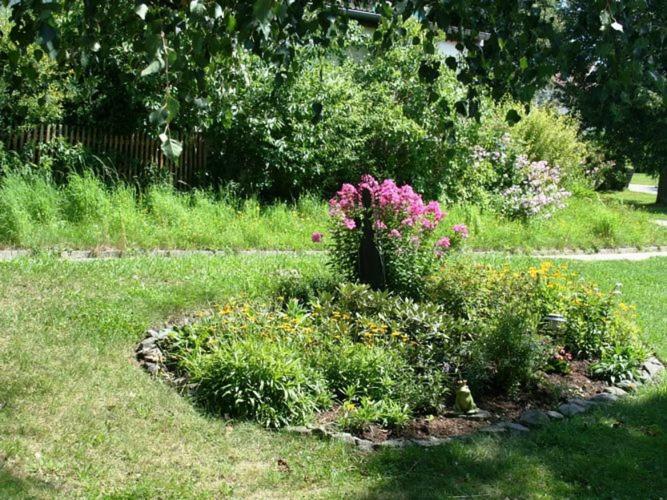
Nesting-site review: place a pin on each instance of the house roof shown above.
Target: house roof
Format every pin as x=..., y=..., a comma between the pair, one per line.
x=364, y=12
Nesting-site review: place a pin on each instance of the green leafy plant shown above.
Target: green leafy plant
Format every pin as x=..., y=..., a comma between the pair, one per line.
x=509, y=355
x=263, y=381
x=620, y=363
x=386, y=413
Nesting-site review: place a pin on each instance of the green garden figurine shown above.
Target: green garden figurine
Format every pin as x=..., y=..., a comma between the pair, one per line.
x=464, y=402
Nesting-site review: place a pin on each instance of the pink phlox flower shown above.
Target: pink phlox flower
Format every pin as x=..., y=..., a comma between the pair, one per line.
x=443, y=242
x=394, y=233
x=316, y=237
x=349, y=223
x=461, y=229
x=433, y=208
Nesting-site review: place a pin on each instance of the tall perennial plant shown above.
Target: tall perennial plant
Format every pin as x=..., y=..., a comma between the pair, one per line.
x=404, y=229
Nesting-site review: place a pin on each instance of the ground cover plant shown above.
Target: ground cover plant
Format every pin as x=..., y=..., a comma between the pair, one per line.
x=109, y=430
x=383, y=351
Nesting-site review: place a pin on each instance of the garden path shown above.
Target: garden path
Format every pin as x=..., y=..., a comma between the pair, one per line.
x=638, y=188
x=605, y=254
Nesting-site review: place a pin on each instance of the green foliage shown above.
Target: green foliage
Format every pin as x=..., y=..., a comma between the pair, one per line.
x=508, y=354
x=386, y=413
x=26, y=199
x=370, y=120
x=291, y=284
x=355, y=371
x=621, y=363
x=555, y=138
x=618, y=49
x=384, y=358
x=86, y=199
x=263, y=381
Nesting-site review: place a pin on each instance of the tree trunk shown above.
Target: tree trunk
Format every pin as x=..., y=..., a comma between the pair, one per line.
x=662, y=187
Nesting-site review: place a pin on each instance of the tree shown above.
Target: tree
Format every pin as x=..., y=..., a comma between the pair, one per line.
x=613, y=65
x=181, y=41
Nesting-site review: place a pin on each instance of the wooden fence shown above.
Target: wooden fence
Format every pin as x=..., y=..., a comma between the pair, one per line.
x=129, y=153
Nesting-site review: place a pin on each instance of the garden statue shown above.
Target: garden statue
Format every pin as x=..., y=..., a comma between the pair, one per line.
x=371, y=264
x=464, y=402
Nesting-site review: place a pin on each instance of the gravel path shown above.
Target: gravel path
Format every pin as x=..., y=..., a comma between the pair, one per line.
x=639, y=188
x=92, y=255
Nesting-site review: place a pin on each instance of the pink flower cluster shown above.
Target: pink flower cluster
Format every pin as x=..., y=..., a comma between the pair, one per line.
x=461, y=230
x=394, y=207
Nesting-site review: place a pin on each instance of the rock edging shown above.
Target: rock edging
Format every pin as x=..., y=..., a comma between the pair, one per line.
x=151, y=358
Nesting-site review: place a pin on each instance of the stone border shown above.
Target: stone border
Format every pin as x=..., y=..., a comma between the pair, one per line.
x=87, y=255
x=150, y=357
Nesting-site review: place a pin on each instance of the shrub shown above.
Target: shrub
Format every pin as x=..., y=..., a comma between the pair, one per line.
x=263, y=381
x=291, y=284
x=546, y=135
x=335, y=118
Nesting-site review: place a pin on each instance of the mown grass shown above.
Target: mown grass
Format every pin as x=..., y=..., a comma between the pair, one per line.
x=36, y=214
x=79, y=418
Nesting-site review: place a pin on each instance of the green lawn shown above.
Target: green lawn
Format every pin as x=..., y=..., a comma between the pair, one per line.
x=644, y=180
x=79, y=418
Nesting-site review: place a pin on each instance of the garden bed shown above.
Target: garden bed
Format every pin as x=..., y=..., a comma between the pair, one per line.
x=577, y=393
x=404, y=341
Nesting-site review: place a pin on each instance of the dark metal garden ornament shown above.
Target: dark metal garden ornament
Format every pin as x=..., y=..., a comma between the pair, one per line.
x=371, y=264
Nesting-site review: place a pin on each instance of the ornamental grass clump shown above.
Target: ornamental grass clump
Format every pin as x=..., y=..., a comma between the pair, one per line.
x=403, y=229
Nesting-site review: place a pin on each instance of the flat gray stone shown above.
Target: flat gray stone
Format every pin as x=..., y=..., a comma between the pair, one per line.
x=570, y=409
x=615, y=391
x=319, y=432
x=152, y=368
x=653, y=366
x=297, y=429
x=513, y=426
x=586, y=403
x=152, y=355
x=555, y=415
x=604, y=397
x=627, y=385
x=365, y=445
x=162, y=334
x=494, y=429
x=345, y=437
x=534, y=418
x=76, y=255
x=148, y=343
x=431, y=441
x=394, y=443
x=478, y=415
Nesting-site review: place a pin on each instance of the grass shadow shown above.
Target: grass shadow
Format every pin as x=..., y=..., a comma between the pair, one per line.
x=618, y=451
x=12, y=486
x=638, y=201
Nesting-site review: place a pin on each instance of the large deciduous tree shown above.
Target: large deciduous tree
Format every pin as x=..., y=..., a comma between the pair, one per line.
x=613, y=61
